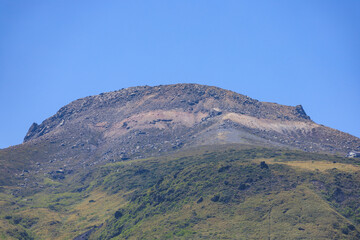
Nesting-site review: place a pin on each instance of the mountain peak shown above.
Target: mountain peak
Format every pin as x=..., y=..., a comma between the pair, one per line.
x=189, y=97
x=131, y=122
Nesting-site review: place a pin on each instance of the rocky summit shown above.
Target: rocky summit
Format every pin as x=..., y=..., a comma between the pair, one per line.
x=183, y=161
x=136, y=121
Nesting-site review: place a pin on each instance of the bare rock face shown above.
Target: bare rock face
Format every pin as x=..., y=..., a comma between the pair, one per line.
x=31, y=132
x=145, y=121
x=353, y=154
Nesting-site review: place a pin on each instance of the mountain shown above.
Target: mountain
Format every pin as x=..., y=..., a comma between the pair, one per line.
x=180, y=161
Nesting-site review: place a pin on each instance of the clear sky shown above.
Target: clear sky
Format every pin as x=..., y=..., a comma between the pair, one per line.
x=290, y=52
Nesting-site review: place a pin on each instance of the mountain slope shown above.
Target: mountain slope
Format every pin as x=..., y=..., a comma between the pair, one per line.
x=221, y=192
x=229, y=195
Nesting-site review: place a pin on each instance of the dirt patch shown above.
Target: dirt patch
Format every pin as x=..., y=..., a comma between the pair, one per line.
x=270, y=125
x=155, y=119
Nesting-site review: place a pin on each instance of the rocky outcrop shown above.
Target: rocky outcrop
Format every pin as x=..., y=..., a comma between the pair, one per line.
x=299, y=111
x=353, y=154
x=33, y=130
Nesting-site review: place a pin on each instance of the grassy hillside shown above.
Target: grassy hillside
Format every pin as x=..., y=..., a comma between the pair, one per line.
x=223, y=192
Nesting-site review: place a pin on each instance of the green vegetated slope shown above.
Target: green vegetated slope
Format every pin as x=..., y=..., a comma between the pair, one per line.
x=223, y=192
x=17, y=158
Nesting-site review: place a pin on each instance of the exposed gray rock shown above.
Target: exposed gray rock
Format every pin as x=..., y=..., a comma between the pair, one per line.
x=353, y=154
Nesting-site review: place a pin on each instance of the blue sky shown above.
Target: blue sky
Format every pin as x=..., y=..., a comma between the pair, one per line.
x=289, y=52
